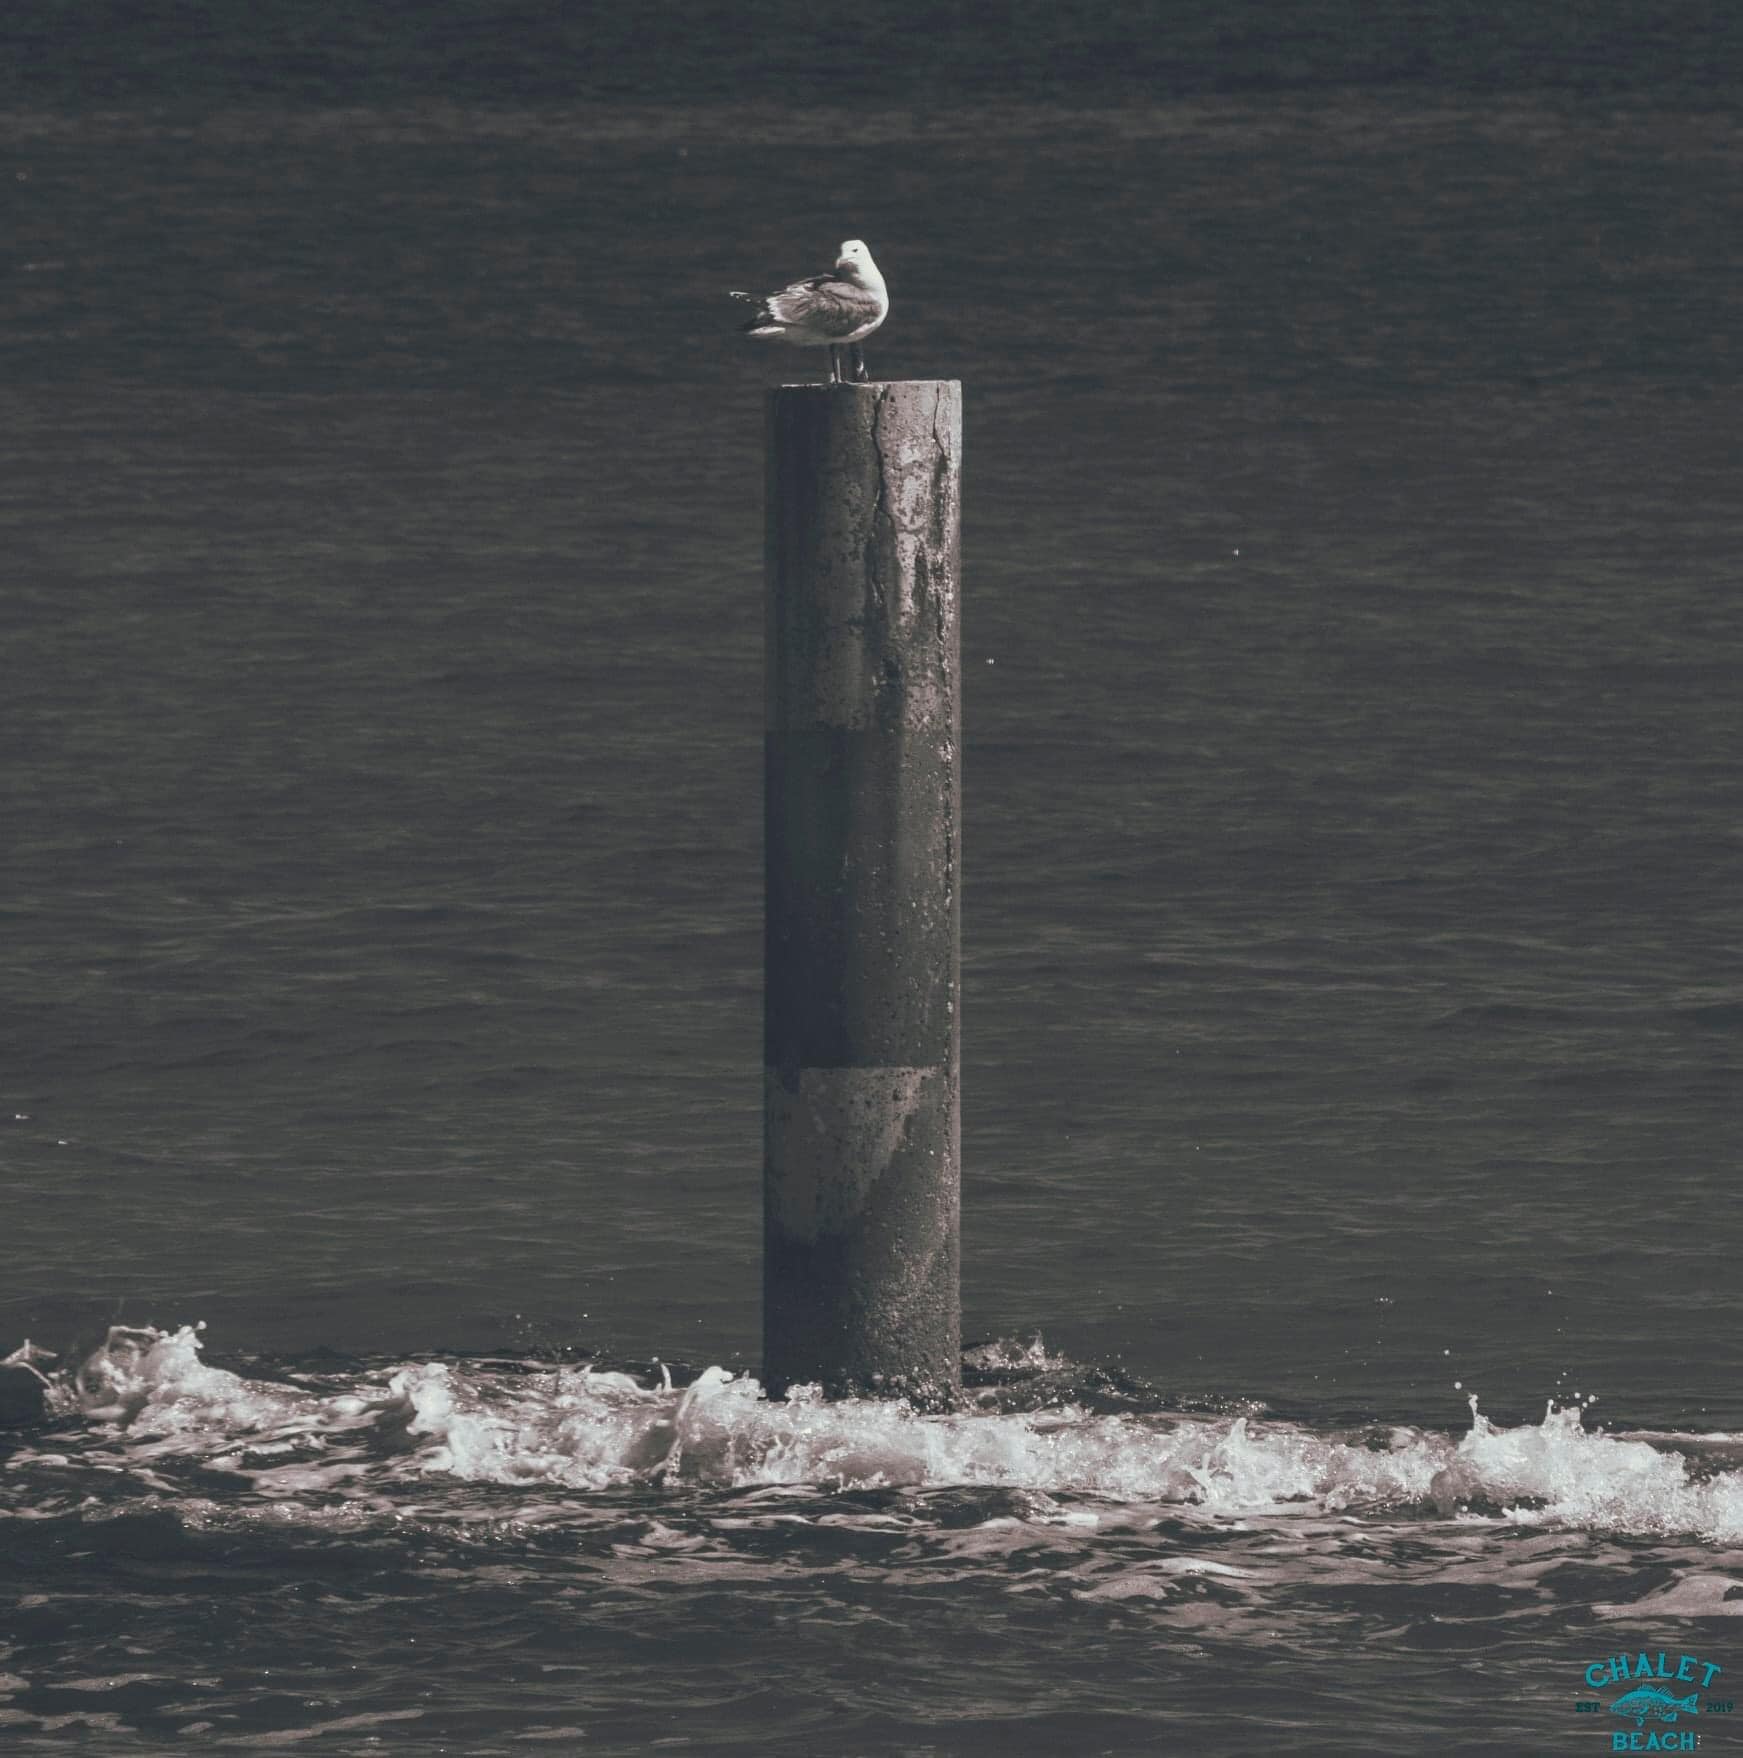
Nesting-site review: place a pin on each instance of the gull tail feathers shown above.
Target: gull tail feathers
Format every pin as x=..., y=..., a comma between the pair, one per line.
x=764, y=323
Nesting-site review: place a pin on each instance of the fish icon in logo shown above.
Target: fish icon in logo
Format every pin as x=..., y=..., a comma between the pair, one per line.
x=1655, y=1703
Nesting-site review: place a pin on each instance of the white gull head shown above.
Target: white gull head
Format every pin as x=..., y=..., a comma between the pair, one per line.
x=854, y=263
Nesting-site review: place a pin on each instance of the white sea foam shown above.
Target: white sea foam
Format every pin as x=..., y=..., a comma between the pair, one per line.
x=576, y=1428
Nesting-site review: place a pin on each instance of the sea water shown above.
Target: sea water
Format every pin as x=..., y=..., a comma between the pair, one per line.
x=475, y=1553
x=1352, y=1015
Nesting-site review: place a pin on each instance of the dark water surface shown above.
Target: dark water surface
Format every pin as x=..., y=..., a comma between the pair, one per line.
x=1353, y=970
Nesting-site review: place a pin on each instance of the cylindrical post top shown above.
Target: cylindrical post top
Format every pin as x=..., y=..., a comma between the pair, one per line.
x=864, y=515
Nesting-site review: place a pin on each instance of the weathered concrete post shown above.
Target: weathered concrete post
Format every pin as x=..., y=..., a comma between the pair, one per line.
x=862, y=837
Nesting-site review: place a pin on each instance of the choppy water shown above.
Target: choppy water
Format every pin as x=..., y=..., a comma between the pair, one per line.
x=472, y=1554
x=1352, y=956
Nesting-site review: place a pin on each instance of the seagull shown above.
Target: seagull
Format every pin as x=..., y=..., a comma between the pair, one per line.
x=834, y=311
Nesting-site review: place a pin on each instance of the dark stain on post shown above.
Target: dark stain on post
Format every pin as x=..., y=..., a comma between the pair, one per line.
x=862, y=840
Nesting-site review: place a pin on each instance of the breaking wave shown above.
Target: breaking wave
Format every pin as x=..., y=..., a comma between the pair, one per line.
x=147, y=1405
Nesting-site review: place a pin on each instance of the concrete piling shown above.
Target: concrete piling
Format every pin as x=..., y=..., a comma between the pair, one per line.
x=862, y=838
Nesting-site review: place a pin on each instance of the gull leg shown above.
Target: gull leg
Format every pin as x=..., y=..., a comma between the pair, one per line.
x=858, y=359
x=834, y=364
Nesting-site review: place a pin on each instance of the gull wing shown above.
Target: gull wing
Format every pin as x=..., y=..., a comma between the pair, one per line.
x=823, y=306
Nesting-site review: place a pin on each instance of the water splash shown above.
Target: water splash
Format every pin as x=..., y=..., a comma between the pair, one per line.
x=146, y=1404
